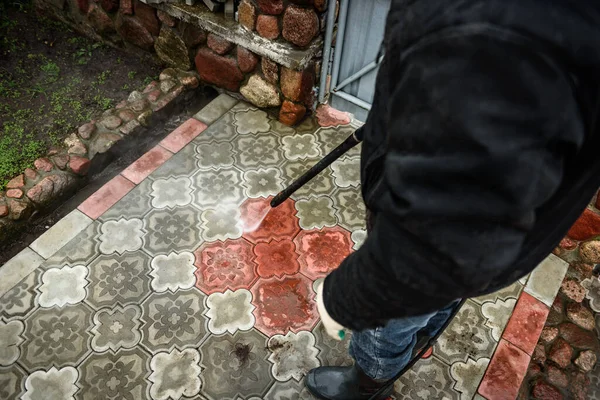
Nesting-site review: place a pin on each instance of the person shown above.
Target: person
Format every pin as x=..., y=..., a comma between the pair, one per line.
x=479, y=152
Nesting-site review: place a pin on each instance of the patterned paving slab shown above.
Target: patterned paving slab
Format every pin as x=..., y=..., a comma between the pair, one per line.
x=183, y=286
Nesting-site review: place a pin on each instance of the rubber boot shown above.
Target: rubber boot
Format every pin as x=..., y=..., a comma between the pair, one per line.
x=344, y=383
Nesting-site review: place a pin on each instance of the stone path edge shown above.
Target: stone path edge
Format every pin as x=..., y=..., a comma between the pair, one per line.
x=62, y=171
x=509, y=363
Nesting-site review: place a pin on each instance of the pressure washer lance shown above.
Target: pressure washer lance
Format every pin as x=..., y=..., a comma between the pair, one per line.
x=336, y=153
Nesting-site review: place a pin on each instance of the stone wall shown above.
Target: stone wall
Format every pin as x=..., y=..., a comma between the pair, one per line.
x=269, y=57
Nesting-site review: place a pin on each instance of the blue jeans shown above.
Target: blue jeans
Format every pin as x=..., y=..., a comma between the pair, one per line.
x=383, y=352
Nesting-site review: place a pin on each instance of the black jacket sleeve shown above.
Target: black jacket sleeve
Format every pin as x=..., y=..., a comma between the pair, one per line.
x=474, y=128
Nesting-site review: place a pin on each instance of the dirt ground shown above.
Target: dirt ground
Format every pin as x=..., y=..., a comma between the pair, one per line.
x=51, y=81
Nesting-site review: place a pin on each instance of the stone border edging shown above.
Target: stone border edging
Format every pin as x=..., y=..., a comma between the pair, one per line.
x=508, y=366
x=62, y=171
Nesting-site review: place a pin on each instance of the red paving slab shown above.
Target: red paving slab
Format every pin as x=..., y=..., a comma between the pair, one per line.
x=322, y=250
x=184, y=134
x=505, y=373
x=526, y=323
x=284, y=305
x=263, y=223
x=146, y=164
x=225, y=265
x=276, y=258
x=106, y=197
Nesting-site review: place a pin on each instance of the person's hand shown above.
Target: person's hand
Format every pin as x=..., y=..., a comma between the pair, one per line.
x=333, y=329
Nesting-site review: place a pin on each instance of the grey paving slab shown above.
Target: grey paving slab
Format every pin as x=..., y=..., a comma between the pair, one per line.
x=545, y=280
x=215, y=109
x=61, y=233
x=17, y=268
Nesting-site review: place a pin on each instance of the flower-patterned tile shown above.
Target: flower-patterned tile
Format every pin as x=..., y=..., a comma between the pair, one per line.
x=332, y=352
x=134, y=204
x=225, y=265
x=59, y=383
x=466, y=336
x=173, y=272
x=262, y=182
x=120, y=236
x=173, y=320
x=322, y=184
x=170, y=230
x=468, y=376
x=116, y=328
x=221, y=223
x=118, y=279
x=171, y=192
x=235, y=366
x=255, y=151
x=330, y=138
x=175, y=374
x=113, y=376
x=510, y=292
x=11, y=336
x=349, y=208
x=230, y=311
x=300, y=147
x=263, y=223
x=251, y=121
x=346, y=172
x=292, y=355
x=214, y=188
x=61, y=286
x=282, y=130
x=358, y=238
x=321, y=251
x=290, y=390
x=316, y=212
x=180, y=165
x=56, y=337
x=221, y=131
x=80, y=250
x=214, y=155
x=497, y=314
x=284, y=305
x=12, y=382
x=276, y=258
x=20, y=300
x=427, y=379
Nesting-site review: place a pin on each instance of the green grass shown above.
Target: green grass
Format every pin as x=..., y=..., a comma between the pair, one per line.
x=18, y=148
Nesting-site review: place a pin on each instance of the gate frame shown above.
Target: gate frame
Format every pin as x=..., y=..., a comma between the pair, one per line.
x=330, y=67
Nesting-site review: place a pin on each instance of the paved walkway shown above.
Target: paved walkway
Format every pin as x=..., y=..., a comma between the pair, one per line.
x=165, y=285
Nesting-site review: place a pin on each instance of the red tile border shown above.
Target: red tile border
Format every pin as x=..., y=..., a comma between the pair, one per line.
x=526, y=323
x=505, y=373
x=106, y=197
x=146, y=164
x=184, y=134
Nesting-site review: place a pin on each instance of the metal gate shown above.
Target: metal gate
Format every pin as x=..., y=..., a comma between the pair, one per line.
x=349, y=76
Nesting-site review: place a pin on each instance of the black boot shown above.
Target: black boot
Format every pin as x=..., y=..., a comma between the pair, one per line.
x=344, y=383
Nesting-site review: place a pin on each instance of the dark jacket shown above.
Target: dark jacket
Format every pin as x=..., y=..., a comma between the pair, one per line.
x=479, y=152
